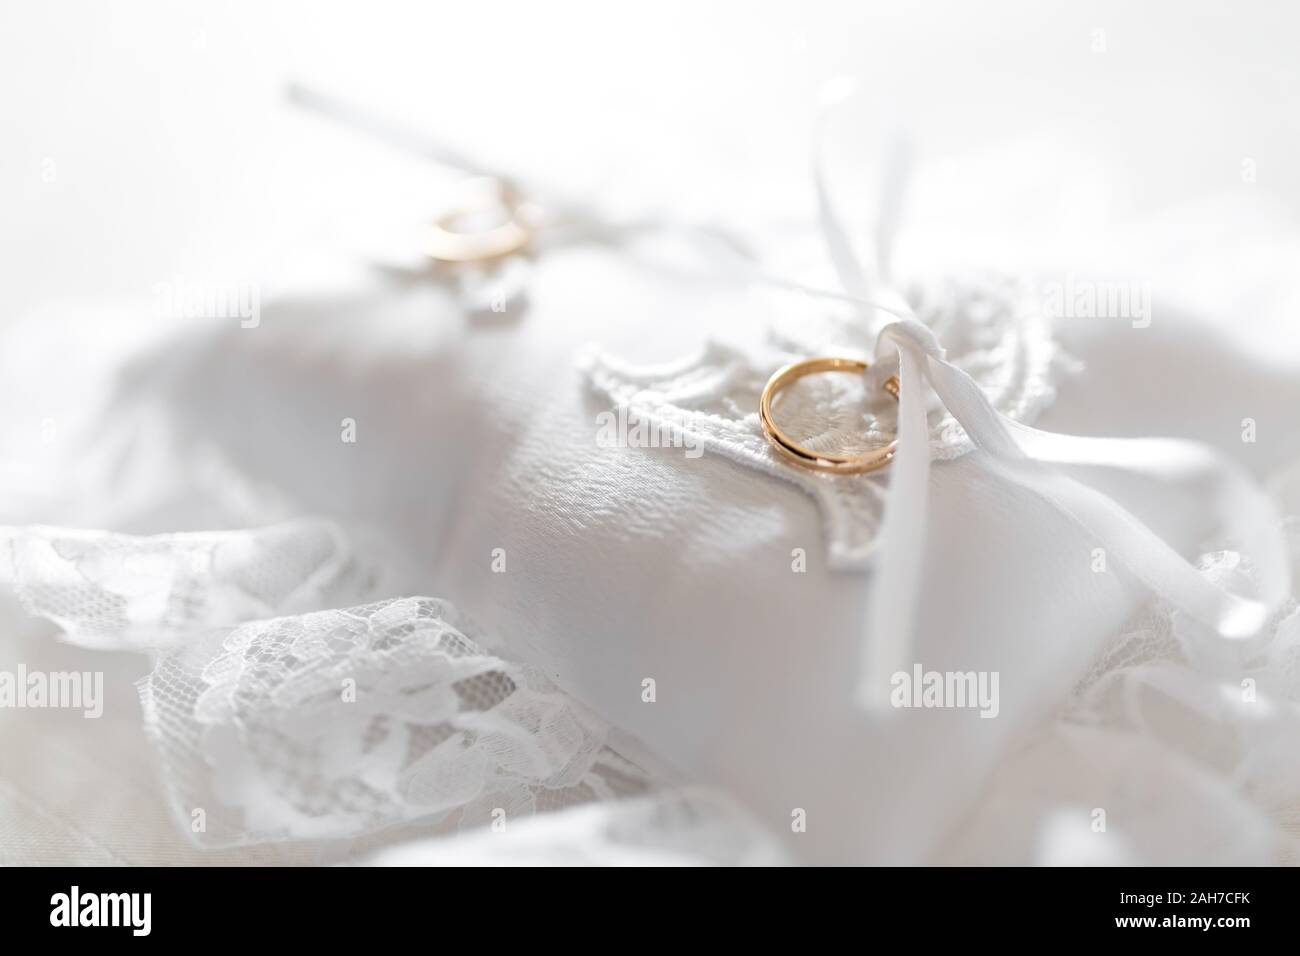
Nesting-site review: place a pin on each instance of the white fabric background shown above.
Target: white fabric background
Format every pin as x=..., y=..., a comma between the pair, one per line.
x=635, y=563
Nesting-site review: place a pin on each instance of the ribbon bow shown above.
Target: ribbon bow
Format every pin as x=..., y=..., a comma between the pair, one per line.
x=1019, y=454
x=1024, y=456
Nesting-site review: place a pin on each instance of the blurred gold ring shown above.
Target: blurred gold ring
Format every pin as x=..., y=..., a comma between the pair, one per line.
x=444, y=243
x=821, y=461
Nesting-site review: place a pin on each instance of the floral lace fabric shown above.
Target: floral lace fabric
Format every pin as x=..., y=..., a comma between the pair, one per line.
x=341, y=722
x=292, y=697
x=326, y=724
x=121, y=591
x=990, y=326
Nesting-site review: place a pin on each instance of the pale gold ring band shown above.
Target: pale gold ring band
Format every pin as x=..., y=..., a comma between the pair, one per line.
x=443, y=242
x=808, y=458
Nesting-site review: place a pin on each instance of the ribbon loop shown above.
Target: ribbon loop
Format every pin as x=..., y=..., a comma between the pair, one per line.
x=908, y=333
x=1021, y=455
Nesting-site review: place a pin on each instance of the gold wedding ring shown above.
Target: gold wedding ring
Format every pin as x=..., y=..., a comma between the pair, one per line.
x=445, y=242
x=821, y=461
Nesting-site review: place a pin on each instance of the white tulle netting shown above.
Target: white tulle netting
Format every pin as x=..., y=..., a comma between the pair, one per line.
x=991, y=326
x=340, y=722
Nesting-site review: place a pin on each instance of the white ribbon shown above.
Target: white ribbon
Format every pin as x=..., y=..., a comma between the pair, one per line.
x=1017, y=453
x=1020, y=455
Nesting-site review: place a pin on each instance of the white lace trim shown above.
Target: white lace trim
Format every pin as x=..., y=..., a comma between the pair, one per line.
x=116, y=591
x=338, y=723
x=325, y=724
x=1187, y=746
x=1231, y=710
x=992, y=329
